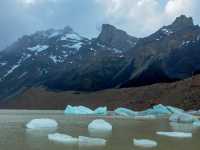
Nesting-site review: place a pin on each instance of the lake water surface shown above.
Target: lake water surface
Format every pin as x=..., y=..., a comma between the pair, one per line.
x=14, y=135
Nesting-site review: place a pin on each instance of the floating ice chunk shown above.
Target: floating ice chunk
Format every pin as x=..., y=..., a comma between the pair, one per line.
x=88, y=141
x=196, y=123
x=144, y=143
x=175, y=134
x=78, y=110
x=63, y=138
x=161, y=109
x=99, y=125
x=42, y=124
x=182, y=118
x=145, y=117
x=175, y=109
x=125, y=112
x=101, y=111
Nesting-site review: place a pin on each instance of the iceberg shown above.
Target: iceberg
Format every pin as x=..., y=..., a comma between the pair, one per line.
x=182, y=118
x=145, y=117
x=78, y=110
x=42, y=124
x=82, y=110
x=144, y=143
x=100, y=128
x=125, y=112
x=196, y=123
x=175, y=134
x=161, y=109
x=175, y=109
x=156, y=110
x=62, y=138
x=101, y=111
x=89, y=142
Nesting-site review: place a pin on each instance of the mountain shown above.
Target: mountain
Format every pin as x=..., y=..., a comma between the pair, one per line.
x=170, y=54
x=63, y=60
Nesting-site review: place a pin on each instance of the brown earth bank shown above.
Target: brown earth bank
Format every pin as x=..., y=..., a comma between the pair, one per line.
x=184, y=94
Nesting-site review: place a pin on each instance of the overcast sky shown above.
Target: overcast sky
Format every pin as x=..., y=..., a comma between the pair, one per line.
x=137, y=17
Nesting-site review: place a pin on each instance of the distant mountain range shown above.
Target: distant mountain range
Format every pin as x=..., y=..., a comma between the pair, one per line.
x=61, y=60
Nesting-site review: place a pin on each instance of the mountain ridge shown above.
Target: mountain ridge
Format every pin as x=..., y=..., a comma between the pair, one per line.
x=63, y=60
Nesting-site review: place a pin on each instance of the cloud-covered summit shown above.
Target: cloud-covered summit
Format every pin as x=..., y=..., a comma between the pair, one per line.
x=138, y=17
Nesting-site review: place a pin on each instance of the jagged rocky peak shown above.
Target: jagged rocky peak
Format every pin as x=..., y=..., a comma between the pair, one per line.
x=182, y=22
x=68, y=29
x=116, y=38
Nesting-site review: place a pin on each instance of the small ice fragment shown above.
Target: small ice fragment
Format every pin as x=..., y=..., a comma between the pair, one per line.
x=144, y=143
x=175, y=134
x=88, y=141
x=101, y=111
x=63, y=138
x=145, y=117
x=42, y=124
x=125, y=112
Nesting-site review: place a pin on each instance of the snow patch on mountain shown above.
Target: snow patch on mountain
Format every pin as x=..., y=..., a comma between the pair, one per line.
x=38, y=48
x=22, y=75
x=167, y=31
x=54, y=34
x=3, y=64
x=74, y=46
x=56, y=59
x=71, y=36
x=22, y=59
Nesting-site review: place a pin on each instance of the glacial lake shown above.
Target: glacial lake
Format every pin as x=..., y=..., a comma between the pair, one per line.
x=15, y=136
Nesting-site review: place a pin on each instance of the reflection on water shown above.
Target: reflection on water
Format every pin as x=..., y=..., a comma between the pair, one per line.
x=14, y=135
x=183, y=127
x=100, y=134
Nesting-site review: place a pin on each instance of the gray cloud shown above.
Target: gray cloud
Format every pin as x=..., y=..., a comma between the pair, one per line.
x=138, y=17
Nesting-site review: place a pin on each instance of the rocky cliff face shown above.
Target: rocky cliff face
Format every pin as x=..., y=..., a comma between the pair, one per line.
x=64, y=60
